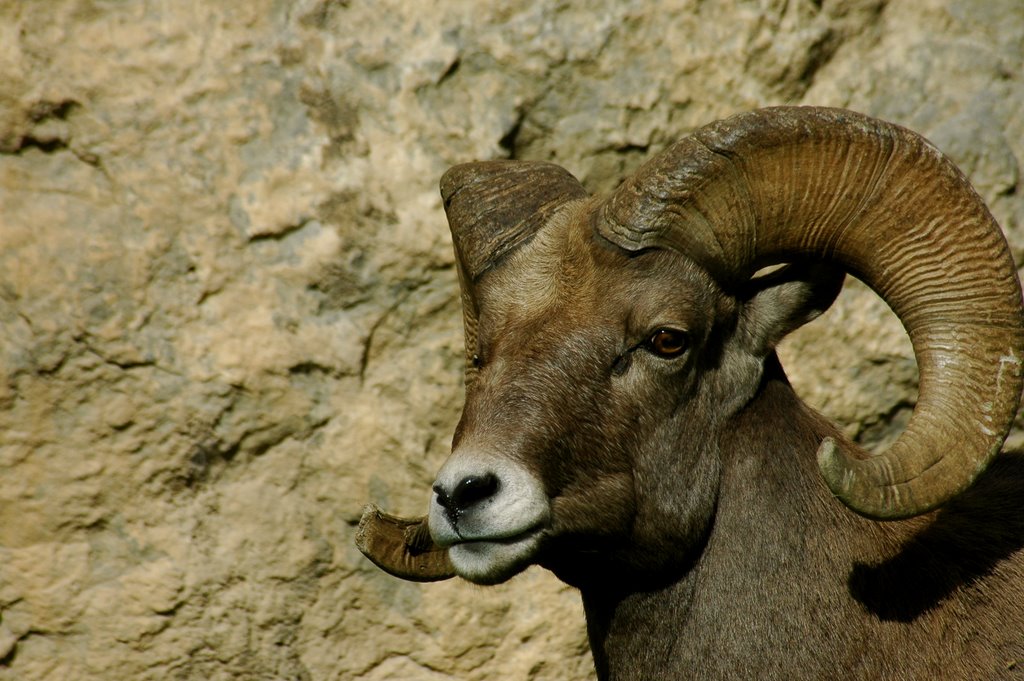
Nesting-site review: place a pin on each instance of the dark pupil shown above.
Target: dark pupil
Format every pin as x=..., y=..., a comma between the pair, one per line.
x=668, y=343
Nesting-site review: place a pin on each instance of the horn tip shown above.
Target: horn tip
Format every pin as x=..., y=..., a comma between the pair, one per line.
x=859, y=483
x=844, y=476
x=401, y=547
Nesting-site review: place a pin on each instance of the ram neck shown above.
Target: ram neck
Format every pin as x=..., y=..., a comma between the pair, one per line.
x=790, y=584
x=773, y=576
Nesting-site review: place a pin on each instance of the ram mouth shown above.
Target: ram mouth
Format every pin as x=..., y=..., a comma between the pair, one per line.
x=492, y=560
x=508, y=539
x=504, y=538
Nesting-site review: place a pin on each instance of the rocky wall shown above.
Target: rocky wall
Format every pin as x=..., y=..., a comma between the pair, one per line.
x=229, y=314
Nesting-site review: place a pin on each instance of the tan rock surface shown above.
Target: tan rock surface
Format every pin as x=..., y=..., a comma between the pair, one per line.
x=228, y=314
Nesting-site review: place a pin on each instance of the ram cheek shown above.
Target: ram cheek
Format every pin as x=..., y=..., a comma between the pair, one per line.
x=588, y=518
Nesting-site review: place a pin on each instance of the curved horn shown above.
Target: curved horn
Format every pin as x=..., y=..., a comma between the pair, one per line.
x=402, y=547
x=493, y=207
x=791, y=182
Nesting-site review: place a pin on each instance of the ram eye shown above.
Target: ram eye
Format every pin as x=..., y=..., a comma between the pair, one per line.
x=667, y=343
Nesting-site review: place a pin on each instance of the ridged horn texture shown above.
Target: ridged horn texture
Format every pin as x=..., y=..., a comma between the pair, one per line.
x=494, y=207
x=789, y=183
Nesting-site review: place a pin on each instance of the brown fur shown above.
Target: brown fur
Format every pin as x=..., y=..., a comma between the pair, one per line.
x=686, y=502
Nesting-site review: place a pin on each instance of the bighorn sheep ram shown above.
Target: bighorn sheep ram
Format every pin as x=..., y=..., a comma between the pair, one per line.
x=628, y=425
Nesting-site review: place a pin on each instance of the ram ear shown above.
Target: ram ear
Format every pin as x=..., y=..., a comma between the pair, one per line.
x=781, y=302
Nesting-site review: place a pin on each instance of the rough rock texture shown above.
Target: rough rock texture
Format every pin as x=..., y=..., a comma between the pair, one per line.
x=229, y=316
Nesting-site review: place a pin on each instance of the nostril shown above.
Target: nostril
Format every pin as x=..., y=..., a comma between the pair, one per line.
x=471, y=490
x=442, y=497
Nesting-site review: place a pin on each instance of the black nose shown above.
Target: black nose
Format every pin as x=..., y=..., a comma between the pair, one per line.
x=471, y=490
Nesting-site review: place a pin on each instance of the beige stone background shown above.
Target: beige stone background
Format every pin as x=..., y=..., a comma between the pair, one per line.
x=229, y=317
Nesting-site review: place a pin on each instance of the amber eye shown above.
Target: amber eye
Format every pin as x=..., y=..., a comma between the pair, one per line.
x=667, y=343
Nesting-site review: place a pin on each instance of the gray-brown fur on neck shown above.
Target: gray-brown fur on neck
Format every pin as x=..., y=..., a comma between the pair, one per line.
x=785, y=569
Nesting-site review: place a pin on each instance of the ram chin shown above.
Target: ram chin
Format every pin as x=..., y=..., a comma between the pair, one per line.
x=492, y=562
